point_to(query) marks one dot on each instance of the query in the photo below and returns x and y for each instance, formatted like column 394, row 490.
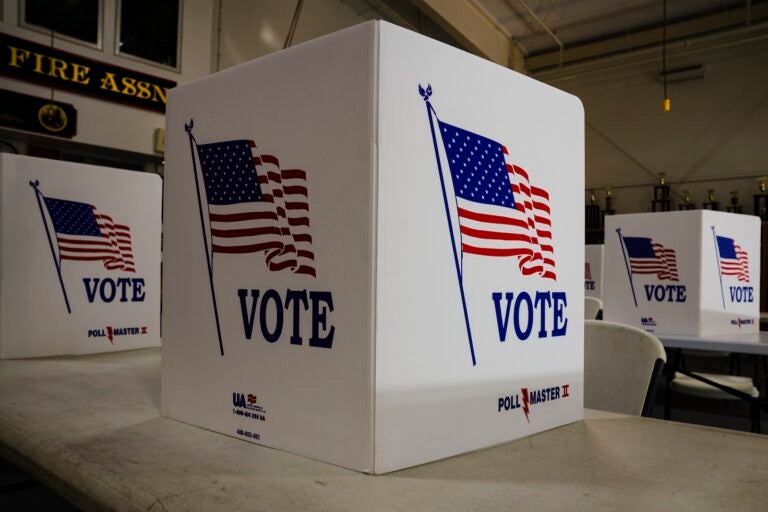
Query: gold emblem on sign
column 52, row 117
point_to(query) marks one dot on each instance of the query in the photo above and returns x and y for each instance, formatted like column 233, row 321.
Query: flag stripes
column 734, row 260
column 85, row 234
column 649, row 257
column 255, row 206
column 500, row 213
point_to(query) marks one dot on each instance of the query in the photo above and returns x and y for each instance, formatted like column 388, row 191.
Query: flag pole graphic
column 719, row 268
column 192, row 144
column 35, row 184
column 626, row 262
column 425, row 94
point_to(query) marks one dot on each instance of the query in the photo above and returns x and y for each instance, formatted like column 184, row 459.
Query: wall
column 107, row 124
column 252, row 28
column 716, row 132
column 248, row 29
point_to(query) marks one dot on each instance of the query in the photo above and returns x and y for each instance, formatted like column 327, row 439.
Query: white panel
column 97, row 306
column 311, row 108
column 432, row 401
column 593, row 270
column 689, row 300
column 730, row 301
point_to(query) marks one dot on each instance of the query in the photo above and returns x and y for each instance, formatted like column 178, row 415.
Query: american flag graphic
column 255, row 206
column 85, row 234
column 734, row 261
column 500, row 213
column 587, row 272
column 649, row 257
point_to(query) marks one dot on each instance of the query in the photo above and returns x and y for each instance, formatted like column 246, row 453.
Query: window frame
column 98, row 45
column 129, row 56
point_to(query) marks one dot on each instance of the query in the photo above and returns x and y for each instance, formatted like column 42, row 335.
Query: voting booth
column 593, row 270
column 690, row 272
column 370, row 252
column 79, row 258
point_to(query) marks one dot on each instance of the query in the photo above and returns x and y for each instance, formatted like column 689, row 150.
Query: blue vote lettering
column 742, row 293
column 524, row 318
column 271, row 315
column 665, row 293
column 128, row 289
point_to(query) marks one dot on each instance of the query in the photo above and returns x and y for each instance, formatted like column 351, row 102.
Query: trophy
column 761, row 201
column 687, row 204
column 661, row 200
column 711, row 203
column 609, row 209
column 734, row 207
column 592, row 219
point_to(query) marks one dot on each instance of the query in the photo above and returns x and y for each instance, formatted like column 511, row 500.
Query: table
column 751, row 343
column 746, row 343
column 90, row 428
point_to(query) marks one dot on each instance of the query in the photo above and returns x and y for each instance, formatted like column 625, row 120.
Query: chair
column 622, row 366
column 592, row 307
column 742, row 388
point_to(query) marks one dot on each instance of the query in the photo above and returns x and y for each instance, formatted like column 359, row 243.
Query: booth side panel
column 80, row 258
column 473, row 349
column 277, row 249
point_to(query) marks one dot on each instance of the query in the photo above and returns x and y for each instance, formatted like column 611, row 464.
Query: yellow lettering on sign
column 58, row 67
column 143, row 90
column 18, row 56
column 129, row 86
column 39, row 63
column 108, row 82
column 80, row 74
column 158, row 92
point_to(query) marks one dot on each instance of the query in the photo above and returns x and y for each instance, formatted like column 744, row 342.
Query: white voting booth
column 370, row 252
column 79, row 258
column 593, row 270
column 689, row 272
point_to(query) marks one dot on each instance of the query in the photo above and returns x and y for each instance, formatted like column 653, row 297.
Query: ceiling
column 574, row 22
column 550, row 34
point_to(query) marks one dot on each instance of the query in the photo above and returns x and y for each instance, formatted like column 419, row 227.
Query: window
column 79, row 20
column 149, row 30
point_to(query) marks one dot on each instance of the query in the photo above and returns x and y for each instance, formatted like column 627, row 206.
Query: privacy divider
column 373, row 250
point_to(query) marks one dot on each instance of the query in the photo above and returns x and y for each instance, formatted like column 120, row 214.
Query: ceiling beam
column 647, row 38
column 469, row 24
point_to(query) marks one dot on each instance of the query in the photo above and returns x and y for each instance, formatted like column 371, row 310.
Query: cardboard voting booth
column 593, row 270
column 79, row 258
column 689, row 272
column 371, row 252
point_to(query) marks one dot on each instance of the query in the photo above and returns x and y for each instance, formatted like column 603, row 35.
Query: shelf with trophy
column 661, row 195
column 734, row 206
column 595, row 216
column 711, row 203
column 687, row 203
column 761, row 201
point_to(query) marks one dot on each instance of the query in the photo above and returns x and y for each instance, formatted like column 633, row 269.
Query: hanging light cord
column 664, row 50
column 53, row 28
column 294, row 22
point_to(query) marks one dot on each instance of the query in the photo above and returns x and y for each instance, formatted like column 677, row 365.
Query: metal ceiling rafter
column 471, row 25
column 545, row 27
column 726, row 21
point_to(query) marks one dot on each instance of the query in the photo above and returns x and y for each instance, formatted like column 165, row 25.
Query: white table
column 750, row 343
column 90, row 428
column 753, row 343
